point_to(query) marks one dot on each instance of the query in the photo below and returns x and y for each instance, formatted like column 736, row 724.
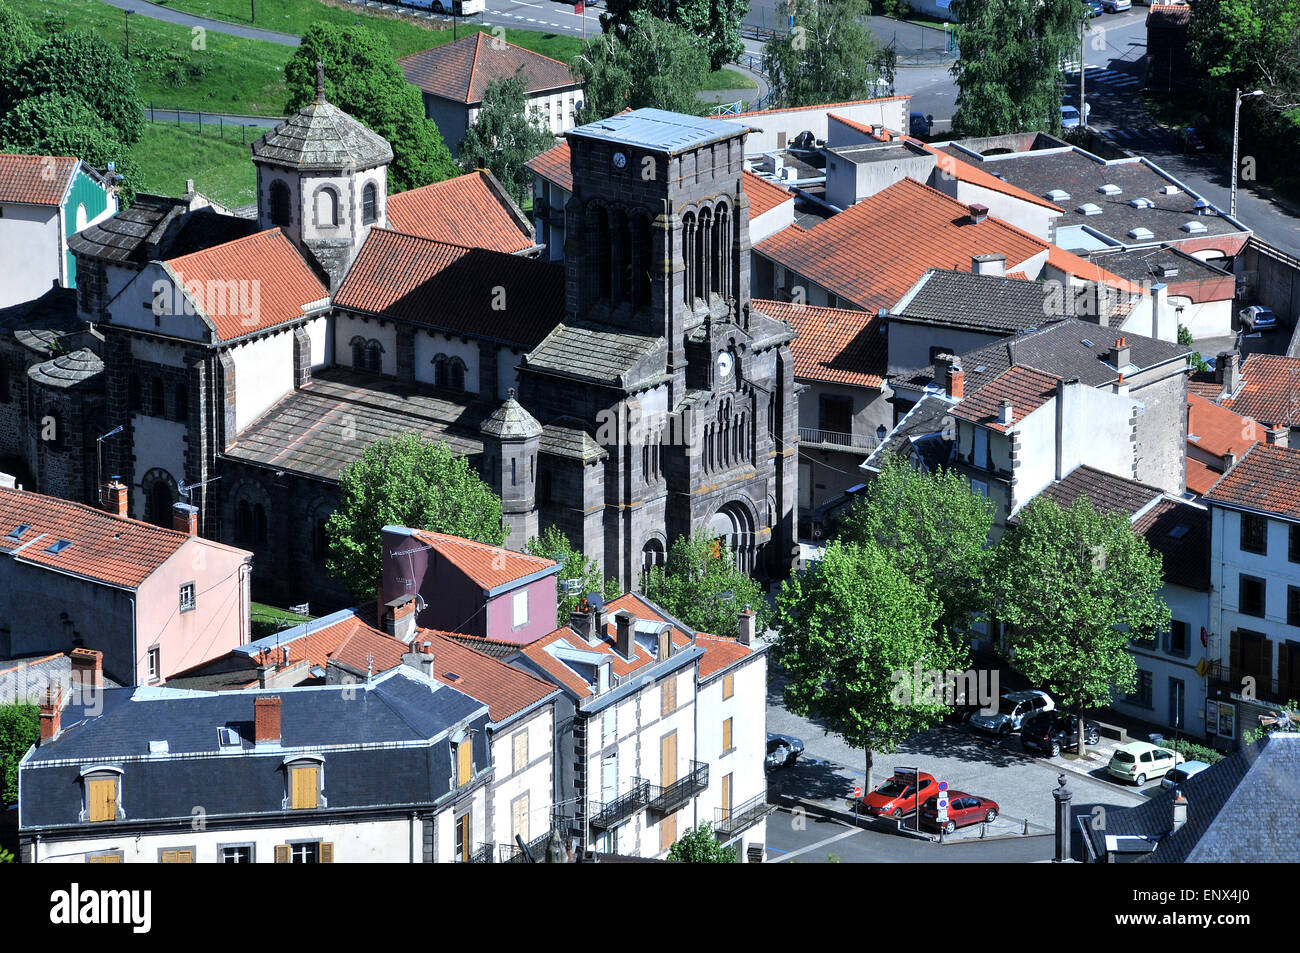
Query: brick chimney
column 51, row 714
column 266, row 719
column 113, row 497
column 626, row 643
column 1180, row 811
column 950, row 375
column 185, row 519
column 399, row 618
column 1120, row 353
column 745, row 627
column 87, row 667
column 978, row 213
column 988, row 264
column 420, row 657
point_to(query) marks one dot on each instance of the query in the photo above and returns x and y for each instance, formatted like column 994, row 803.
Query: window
column 519, row 818
column 728, row 685
column 440, row 370
column 137, row 394
column 462, row 839
column 375, row 357
column 4, row 382
column 182, row 402
column 309, row 852
column 980, row 487
column 304, row 787
column 105, row 857
column 236, row 854
column 153, row 663
column 520, row 607
column 465, row 761
column 157, row 405
column 1176, row 638
column 259, row 525
column 726, row 735
column 176, row 855
column 244, row 523
column 1254, row 534
column 187, row 597
column 1142, row 694
column 519, row 746
column 1293, row 544
column 1250, row 596
column 358, row 353
column 1292, row 606
column 101, row 798
column 280, row 204
column 369, row 204
column 668, row 695
column 726, row 797
column 609, row 726
column 836, row 414
column 320, row 539
column 327, row 208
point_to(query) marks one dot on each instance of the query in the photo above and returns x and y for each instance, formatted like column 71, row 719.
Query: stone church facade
column 628, row 395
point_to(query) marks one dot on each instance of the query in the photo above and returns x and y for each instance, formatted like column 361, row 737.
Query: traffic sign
column 943, row 785
column 857, row 792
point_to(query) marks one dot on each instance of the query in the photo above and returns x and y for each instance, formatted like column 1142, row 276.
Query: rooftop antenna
column 99, row 441
column 184, row 488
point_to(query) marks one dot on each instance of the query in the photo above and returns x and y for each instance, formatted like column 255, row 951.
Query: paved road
column 156, row 11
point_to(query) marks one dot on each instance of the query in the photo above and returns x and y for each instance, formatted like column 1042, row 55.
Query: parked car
column 1093, row 7
column 782, row 750
column 1191, row 139
column 1070, row 116
column 1257, row 318
column 897, row 797
column 1053, row 732
column 960, row 713
column 1013, row 709
column 963, row 810
column 1181, row 773
column 919, row 124
column 1139, row 761
column 1116, row 6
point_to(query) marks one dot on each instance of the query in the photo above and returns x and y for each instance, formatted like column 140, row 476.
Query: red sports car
column 963, row 810
column 898, row 796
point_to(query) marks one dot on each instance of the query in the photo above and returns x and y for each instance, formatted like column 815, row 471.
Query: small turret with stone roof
column 510, row 442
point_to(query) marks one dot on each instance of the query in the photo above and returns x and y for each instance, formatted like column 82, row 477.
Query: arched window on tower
column 369, row 204
column 137, row 394
column 702, row 243
column 259, row 525
column 327, row 207
column 688, row 257
column 280, row 204
column 644, row 244
column 182, row 402
column 157, row 404
column 244, row 523
column 158, row 504
column 718, row 271
column 603, row 239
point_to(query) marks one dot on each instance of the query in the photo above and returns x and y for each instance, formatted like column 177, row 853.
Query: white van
column 460, row 8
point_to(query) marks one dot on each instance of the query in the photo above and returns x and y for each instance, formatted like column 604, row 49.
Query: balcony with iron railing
column 537, row 848
column 728, row 822
column 485, row 854
column 1231, row 679
column 836, row 440
column 606, row 815
column 669, row 797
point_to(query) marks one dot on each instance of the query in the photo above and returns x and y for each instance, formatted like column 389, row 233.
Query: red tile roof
column 1026, row 388
column 719, row 653
column 455, row 288
column 763, row 195
column 506, row 690
column 35, row 180
column 1270, row 390
column 470, row 210
column 267, row 271
column 834, row 344
column 872, row 254
column 367, row 649
column 828, row 106
column 488, row 566
column 973, row 175
column 461, row 71
column 1201, row 476
column 108, row 548
column 553, row 165
column 1267, row 479
column 1218, row 429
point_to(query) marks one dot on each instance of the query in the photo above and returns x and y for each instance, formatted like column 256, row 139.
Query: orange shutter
column 728, row 686
column 464, row 762
column 104, row 859
column 327, row 853
column 726, row 735
column 668, row 832
column 101, row 795
column 177, row 857
column 305, row 788
column 726, row 797
column 282, row 853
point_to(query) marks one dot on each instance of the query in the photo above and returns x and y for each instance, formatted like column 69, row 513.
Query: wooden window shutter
column 104, row 859
column 305, row 788
column 282, row 853
column 101, row 795
column 728, row 685
column 178, row 857
column 726, row 735
column 327, row 853
column 464, row 762
column 668, row 695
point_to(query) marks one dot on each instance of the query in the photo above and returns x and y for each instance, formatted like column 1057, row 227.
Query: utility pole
column 1083, row 102
column 1236, row 125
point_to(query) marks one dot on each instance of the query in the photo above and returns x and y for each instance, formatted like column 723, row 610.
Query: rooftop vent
column 1193, row 228
column 1058, row 195
column 1141, row 234
column 17, row 531
column 158, row 747
column 1171, row 190
column 1142, row 203
column 58, row 547
column 1088, row 208
column 1202, row 207
column 1110, row 189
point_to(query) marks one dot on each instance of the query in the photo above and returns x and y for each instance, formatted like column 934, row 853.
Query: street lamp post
column 127, row 14
column 1236, row 125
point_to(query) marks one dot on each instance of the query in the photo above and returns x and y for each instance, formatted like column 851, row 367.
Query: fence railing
column 228, row 126
column 834, row 438
column 728, row 822
column 622, row 807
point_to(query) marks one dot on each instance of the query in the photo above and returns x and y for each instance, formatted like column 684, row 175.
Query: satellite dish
column 595, row 601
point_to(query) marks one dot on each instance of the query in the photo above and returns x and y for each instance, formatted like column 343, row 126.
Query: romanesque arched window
column 603, row 239
column 259, row 525
column 159, row 499
column 688, row 257
column 137, row 393
column 358, row 344
column 456, row 374
column 280, row 204
column 374, row 356
column 718, row 271
column 369, row 204
column 244, row 523
column 703, row 241
column 327, row 207
column 182, row 402
column 440, row 370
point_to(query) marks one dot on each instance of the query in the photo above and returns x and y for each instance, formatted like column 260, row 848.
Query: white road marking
column 821, row 843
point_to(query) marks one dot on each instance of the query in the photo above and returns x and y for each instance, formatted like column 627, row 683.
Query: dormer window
column 101, row 794
column 304, row 783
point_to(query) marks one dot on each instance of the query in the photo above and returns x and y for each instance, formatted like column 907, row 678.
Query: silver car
column 1181, row 773
column 1013, row 709
column 1257, row 318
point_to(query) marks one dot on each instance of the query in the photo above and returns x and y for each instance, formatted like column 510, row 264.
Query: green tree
column 405, row 481
column 17, row 38
column 1074, row 586
column 700, row 585
column 553, row 544
column 63, row 125
column 856, row 640
column 506, row 135
column 935, row 528
column 699, row 845
column 1009, row 76
column 830, row 56
column 363, row 79
column 1247, row 44
column 80, row 64
column 20, row 726
column 647, row 63
column 716, row 22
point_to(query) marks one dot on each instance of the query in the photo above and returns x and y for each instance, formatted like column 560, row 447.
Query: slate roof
column 657, row 130
column 917, row 430
column 1180, row 533
column 105, row 547
column 834, row 344
column 959, row 299
column 266, row 263
column 1027, row 389
column 593, row 352
column 39, row 324
column 1269, row 390
column 1106, row 491
column 471, row 210
column 489, row 567
column 323, row 426
column 570, row 442
column 511, row 422
column 472, row 291
column 1239, row 810
column 35, row 180
column 322, row 137
column 872, row 254
column 1199, row 280
column 157, row 227
column 461, row 71
column 1265, row 479
column 67, row 370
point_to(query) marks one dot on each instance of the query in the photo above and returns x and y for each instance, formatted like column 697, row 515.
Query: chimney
column 420, row 657
column 1006, row 417
column 954, row 378
column 112, row 497
column 1278, row 436
column 87, row 667
column 1121, row 386
column 1180, row 811
column 626, row 644
column 189, row 186
column 185, row 519
column 51, row 713
column 1228, row 371
column 1160, row 312
column 399, row 617
column 1229, row 459
column 1119, row 354
column 745, row 626
column 266, row 720
column 988, row 264
column 978, row 213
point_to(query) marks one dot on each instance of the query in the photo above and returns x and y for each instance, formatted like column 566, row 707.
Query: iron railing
column 835, row 438
column 537, row 848
column 486, row 854
column 612, row 812
column 666, row 799
column 728, row 822
column 1230, row 678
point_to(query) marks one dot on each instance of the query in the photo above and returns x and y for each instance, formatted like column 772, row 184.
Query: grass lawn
column 268, row 620
column 220, row 167
column 728, row 79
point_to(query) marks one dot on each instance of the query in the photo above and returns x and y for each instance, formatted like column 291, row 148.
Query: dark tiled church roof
column 322, row 136
column 593, row 352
